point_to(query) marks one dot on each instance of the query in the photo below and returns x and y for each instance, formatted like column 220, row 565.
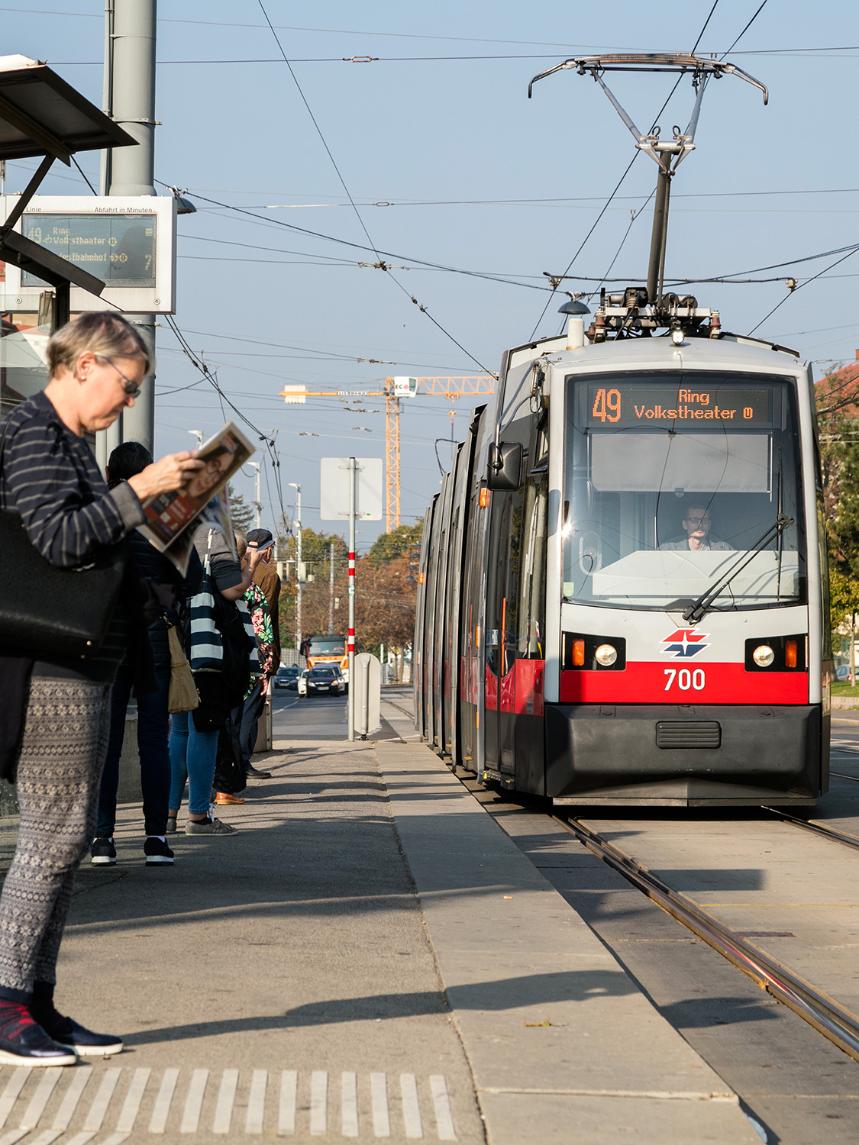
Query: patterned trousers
column 62, row 753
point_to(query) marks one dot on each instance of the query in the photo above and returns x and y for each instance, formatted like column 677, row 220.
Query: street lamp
column 296, row 530
column 258, row 502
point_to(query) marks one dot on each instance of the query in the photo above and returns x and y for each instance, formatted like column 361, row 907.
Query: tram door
column 505, row 539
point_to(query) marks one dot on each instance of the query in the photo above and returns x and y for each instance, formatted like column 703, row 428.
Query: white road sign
column 334, row 503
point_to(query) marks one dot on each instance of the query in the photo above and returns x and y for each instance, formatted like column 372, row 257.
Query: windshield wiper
column 699, row 607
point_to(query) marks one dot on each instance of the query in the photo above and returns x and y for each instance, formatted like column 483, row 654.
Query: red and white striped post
column 350, row 640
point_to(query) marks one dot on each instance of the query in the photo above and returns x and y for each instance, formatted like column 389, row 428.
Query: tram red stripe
column 651, row 683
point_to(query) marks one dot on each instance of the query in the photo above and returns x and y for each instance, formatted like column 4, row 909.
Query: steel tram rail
column 818, row 828
column 834, row 1022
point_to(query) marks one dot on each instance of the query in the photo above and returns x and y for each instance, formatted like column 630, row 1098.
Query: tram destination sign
column 119, row 249
column 624, row 404
column 129, row 242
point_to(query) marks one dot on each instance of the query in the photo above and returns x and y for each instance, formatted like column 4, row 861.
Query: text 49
column 686, row 679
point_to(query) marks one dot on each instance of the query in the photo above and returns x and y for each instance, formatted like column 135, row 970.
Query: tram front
column 693, row 636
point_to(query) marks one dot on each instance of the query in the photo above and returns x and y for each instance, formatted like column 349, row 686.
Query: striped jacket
column 50, row 478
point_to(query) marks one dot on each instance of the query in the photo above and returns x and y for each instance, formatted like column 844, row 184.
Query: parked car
column 286, row 677
column 324, row 680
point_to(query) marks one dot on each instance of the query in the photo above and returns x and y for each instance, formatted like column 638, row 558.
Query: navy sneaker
column 102, row 852
column 71, row 1035
column 157, row 852
column 24, row 1042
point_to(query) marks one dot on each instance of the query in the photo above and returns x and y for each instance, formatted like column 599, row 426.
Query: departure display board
column 694, row 404
column 117, row 248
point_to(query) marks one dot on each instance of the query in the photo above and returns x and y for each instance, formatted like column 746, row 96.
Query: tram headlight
column 593, row 653
column 606, row 655
column 763, row 655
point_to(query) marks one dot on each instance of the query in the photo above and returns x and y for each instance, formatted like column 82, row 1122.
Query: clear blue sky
column 432, row 135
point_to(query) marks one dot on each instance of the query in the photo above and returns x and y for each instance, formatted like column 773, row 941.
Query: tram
column 622, row 588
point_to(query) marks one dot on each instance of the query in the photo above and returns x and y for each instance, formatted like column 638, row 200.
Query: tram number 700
column 686, row 679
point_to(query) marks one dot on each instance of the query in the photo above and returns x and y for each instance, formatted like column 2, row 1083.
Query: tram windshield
column 671, row 479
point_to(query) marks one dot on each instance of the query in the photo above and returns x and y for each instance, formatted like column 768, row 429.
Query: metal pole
column 258, row 502
column 657, row 236
column 131, row 169
column 331, row 589
column 350, row 647
column 107, row 94
column 297, row 529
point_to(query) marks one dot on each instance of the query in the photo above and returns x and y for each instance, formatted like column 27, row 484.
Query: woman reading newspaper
column 50, row 479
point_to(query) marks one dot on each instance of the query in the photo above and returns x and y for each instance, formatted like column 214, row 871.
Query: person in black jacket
column 50, row 479
column 161, row 585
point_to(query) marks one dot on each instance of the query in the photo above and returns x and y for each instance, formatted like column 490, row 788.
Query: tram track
column 830, row 833
column 837, row 1024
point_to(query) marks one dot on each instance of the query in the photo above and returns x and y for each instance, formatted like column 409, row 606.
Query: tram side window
column 532, row 586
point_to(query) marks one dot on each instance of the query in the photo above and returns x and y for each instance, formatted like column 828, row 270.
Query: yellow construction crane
column 451, row 387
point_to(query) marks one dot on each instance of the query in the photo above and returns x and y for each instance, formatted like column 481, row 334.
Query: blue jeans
column 192, row 756
column 152, row 726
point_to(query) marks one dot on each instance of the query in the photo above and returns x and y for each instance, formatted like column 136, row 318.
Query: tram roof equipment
column 637, row 307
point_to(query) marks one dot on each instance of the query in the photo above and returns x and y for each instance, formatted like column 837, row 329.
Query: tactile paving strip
column 106, row 1105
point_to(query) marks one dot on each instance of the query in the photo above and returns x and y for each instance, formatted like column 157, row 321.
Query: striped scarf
column 207, row 645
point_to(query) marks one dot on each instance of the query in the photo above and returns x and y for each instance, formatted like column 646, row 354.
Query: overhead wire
column 745, row 28
column 211, row 378
column 800, row 286
column 381, row 264
column 380, row 253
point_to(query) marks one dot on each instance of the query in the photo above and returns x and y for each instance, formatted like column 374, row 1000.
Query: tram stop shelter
column 41, row 117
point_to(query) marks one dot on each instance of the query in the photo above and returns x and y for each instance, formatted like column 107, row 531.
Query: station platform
column 370, row 957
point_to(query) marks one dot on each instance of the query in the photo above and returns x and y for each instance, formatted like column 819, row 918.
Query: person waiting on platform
column 193, row 740
column 696, row 526
column 50, row 479
column 163, row 585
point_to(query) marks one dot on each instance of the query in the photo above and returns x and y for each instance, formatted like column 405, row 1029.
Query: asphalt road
column 308, row 718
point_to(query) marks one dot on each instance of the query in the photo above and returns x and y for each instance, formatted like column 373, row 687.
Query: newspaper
column 169, row 514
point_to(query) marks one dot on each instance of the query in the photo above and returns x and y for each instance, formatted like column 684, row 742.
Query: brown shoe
column 223, row 798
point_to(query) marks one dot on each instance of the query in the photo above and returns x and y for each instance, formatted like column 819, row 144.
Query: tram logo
column 684, row 643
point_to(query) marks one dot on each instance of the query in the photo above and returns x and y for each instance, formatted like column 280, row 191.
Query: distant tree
column 386, row 596
column 394, row 544
column 838, row 414
column 844, row 608
column 241, row 513
column 315, row 595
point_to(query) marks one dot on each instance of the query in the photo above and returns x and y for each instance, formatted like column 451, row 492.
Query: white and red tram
column 623, row 585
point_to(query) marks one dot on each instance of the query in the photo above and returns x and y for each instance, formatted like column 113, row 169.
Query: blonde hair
column 103, row 333
column 241, row 543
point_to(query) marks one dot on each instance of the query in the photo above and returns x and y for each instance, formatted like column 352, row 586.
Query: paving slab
column 562, row 1044
column 370, row 957
column 274, row 983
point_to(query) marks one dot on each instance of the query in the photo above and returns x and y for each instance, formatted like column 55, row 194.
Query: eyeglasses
column 131, row 389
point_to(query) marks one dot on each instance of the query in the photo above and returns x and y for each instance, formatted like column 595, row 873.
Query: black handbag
column 48, row 612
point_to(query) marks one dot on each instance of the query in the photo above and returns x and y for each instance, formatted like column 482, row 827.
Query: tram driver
column 696, row 526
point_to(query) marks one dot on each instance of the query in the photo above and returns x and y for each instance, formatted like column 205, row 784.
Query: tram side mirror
column 505, row 466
